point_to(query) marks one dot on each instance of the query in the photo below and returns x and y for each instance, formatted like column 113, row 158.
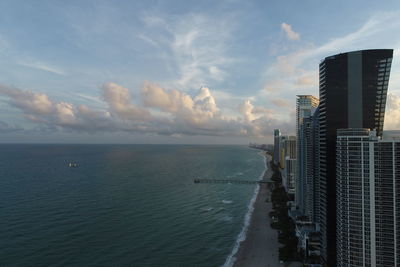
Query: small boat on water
column 73, row 165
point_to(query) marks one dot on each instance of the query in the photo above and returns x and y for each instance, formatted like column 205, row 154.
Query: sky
column 176, row 72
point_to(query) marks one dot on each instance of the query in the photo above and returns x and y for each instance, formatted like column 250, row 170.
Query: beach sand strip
column 261, row 246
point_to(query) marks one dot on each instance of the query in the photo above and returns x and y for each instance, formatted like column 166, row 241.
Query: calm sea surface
column 125, row 205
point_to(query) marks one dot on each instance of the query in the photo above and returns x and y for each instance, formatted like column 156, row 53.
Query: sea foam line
column 230, row 260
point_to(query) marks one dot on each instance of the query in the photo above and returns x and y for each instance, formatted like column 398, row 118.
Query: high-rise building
column 277, row 134
column 305, row 107
column 353, row 88
column 368, row 199
column 289, row 170
column 288, row 175
column 315, row 166
column 289, row 146
column 281, row 162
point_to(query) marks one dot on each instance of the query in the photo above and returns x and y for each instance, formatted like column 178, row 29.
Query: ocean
column 123, row 205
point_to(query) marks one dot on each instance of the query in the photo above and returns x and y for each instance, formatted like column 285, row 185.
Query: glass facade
column 353, row 89
column 367, row 199
column 304, row 196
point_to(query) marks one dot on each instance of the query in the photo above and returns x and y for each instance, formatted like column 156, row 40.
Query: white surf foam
column 230, row 260
column 207, row 209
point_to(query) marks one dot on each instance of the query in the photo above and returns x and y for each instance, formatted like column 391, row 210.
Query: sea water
column 123, row 205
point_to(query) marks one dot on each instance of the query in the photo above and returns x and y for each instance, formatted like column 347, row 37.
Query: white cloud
column 28, row 101
column 195, row 43
column 290, row 34
column 42, row 66
column 119, row 101
column 198, row 111
column 296, row 71
column 246, row 108
column 164, row 112
column 38, row 108
column 166, row 100
column 147, row 39
column 216, row 73
column 65, row 113
column 90, row 98
column 281, row 103
column 392, row 114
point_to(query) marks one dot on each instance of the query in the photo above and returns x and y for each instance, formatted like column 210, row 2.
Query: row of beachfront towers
column 341, row 168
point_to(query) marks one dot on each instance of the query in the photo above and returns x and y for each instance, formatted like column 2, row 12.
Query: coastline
column 260, row 246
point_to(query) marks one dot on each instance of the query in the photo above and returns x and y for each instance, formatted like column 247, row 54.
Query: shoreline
column 260, row 246
column 231, row 259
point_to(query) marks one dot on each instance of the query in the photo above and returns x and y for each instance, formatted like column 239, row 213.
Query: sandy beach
column 260, row 248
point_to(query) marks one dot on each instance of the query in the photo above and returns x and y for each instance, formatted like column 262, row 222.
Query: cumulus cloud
column 290, row 34
column 166, row 100
column 185, row 111
column 119, row 101
column 38, row 108
column 246, row 109
column 392, row 114
column 159, row 111
column 28, row 101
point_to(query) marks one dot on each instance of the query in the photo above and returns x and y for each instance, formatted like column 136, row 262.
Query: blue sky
column 175, row 71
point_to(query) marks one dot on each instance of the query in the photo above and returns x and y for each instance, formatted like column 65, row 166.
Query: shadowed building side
column 305, row 108
column 353, row 88
column 368, row 199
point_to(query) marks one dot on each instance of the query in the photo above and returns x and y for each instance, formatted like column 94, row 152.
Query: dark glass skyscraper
column 352, row 91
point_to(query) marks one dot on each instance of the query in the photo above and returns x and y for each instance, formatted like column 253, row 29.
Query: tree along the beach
column 281, row 220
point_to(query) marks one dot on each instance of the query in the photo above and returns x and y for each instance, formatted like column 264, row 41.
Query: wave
column 207, row 209
column 227, row 201
column 236, row 174
column 230, row 260
column 227, row 218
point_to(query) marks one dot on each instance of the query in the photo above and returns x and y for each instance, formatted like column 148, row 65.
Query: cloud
column 35, row 103
column 273, row 86
column 246, row 108
column 289, row 74
column 36, row 106
column 39, row 108
column 170, row 101
column 196, row 44
column 147, row 39
column 392, row 114
column 290, row 34
column 281, row 103
column 119, row 101
column 159, row 111
column 307, row 80
column 216, row 73
column 294, row 70
column 7, row 128
column 42, row 66
column 199, row 112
